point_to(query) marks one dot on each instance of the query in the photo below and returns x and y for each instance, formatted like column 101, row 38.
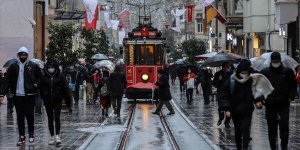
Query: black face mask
column 23, row 60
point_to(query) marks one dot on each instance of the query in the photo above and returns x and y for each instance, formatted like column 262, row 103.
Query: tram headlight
column 145, row 77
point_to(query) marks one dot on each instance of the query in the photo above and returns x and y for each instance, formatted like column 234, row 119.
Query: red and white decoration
column 91, row 11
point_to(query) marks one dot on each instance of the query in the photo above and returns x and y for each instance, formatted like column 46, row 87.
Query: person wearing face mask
column 189, row 80
column 243, row 90
column 278, row 103
column 23, row 78
column 219, row 80
column 53, row 87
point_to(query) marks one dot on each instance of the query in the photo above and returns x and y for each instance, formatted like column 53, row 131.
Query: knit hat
column 275, row 57
column 23, row 50
column 244, row 65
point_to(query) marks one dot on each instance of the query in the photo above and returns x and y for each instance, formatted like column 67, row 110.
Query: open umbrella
column 179, row 62
column 39, row 62
column 9, row 62
column 265, row 59
column 218, row 60
column 105, row 64
column 99, row 57
column 207, row 55
column 183, row 69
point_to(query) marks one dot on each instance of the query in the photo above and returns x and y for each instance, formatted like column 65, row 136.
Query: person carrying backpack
column 104, row 99
column 243, row 90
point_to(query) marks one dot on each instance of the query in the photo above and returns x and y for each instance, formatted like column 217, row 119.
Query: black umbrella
column 8, row 63
column 218, row 60
column 183, row 69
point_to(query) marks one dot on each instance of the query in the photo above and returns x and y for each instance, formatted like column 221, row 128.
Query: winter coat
column 77, row 80
column 283, row 80
column 32, row 75
column 222, row 97
column 163, row 88
column 204, row 77
column 240, row 99
column 54, row 88
column 3, row 85
column 116, row 84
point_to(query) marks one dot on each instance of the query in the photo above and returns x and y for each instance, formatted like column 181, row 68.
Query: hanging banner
column 190, row 8
column 107, row 19
column 91, row 12
column 114, row 24
column 121, row 36
column 124, row 18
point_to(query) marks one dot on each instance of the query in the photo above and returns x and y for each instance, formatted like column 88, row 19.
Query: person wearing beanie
column 23, row 78
column 164, row 93
column 54, row 89
column 278, row 103
column 219, row 80
column 243, row 90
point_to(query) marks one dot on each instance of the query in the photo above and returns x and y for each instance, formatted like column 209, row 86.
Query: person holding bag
column 54, row 90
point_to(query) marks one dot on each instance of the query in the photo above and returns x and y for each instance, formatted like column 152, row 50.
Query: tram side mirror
column 121, row 50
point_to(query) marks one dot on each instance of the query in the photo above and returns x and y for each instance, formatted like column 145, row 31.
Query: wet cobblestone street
column 72, row 125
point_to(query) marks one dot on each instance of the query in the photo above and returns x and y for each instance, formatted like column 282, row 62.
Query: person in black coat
column 219, row 80
column 204, row 77
column 3, row 88
column 278, row 103
column 116, row 84
column 23, row 78
column 54, row 89
column 164, row 93
column 238, row 90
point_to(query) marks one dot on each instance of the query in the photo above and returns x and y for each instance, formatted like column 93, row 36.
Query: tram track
column 126, row 134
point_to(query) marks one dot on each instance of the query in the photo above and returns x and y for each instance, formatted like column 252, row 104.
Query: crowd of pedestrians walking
column 29, row 88
column 239, row 90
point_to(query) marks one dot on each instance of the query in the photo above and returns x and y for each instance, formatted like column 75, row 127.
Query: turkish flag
column 91, row 13
column 91, row 23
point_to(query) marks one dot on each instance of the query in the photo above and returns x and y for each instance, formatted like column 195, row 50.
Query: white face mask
column 51, row 70
column 243, row 75
column 276, row 65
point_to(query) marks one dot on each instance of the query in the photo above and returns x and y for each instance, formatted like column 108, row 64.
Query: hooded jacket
column 54, row 86
column 32, row 75
column 284, row 83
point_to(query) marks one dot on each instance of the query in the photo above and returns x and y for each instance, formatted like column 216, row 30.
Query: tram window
column 158, row 55
column 144, row 55
column 149, row 55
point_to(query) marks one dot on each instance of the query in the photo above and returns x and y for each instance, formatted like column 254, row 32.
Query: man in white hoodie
column 23, row 78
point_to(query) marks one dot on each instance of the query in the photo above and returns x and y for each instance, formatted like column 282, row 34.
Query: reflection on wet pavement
column 83, row 117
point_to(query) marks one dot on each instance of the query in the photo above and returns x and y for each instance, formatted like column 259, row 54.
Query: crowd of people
column 28, row 87
column 239, row 91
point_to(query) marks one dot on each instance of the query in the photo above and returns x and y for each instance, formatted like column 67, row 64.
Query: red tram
column 144, row 54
